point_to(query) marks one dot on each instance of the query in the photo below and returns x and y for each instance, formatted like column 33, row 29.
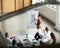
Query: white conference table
column 28, row 42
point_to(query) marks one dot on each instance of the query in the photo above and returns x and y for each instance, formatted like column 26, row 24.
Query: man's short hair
column 46, row 28
column 6, row 34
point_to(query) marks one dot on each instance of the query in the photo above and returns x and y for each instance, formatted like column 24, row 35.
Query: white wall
column 16, row 25
column 57, row 24
column 58, row 0
column 48, row 13
column 2, row 27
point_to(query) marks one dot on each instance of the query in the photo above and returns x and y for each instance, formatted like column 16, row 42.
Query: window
column 37, row 1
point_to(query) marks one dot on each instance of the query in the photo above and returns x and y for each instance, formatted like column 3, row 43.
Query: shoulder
column 49, row 32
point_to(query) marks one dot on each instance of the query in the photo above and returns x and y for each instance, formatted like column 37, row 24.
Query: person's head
column 6, row 35
column 13, row 42
column 46, row 29
column 39, row 16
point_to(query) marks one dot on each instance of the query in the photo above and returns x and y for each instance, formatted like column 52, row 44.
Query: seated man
column 8, row 40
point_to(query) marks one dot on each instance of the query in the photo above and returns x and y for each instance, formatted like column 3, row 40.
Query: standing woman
column 38, row 23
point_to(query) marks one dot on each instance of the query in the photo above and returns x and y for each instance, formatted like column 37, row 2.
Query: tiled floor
column 50, row 26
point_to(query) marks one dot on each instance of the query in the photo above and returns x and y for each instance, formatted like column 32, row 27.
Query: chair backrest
column 53, row 37
column 37, row 36
column 2, row 41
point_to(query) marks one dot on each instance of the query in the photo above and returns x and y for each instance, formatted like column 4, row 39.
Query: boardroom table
column 28, row 42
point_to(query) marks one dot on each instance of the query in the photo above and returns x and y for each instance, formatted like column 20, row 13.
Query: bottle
column 26, row 35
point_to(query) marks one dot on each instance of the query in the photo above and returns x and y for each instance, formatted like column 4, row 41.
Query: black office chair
column 37, row 36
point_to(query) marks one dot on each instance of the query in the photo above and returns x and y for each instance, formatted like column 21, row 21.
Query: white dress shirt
column 47, row 37
column 8, row 41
